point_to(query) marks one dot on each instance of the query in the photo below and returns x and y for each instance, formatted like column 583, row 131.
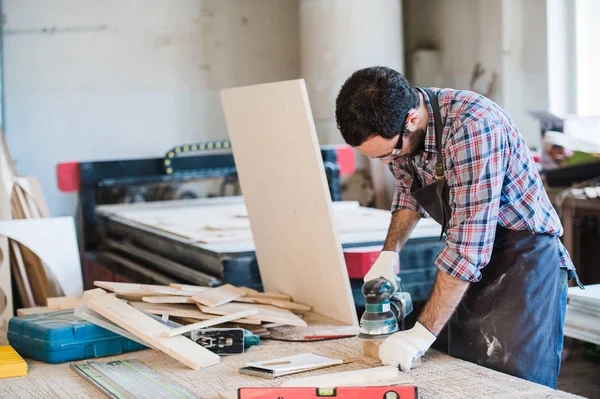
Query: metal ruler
column 125, row 379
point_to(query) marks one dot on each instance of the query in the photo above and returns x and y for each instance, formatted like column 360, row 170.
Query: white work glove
column 384, row 266
column 403, row 348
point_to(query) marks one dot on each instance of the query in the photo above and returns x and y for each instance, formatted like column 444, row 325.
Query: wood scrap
column 373, row 376
column 183, row 311
column 63, row 303
column 218, row 296
column 143, row 289
column 265, row 313
column 34, row 310
column 371, row 348
column 297, row 307
column 150, row 330
column 187, row 287
column 168, row 299
column 209, row 323
column 269, row 295
column 20, row 275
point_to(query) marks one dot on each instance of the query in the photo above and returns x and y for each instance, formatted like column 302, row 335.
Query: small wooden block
column 218, row 296
column 371, row 349
column 270, row 295
column 62, row 302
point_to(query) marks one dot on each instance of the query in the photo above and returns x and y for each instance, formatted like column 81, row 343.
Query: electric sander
column 385, row 309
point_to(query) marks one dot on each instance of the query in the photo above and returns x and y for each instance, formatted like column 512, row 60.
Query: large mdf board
column 283, row 182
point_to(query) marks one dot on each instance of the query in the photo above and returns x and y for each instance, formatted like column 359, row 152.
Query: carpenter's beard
column 414, row 142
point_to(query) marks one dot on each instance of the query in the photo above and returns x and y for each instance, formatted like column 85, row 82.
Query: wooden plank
column 33, row 310
column 168, row 299
column 187, row 287
column 298, row 250
column 218, row 296
column 149, row 330
column 63, row 303
column 209, row 323
column 183, row 311
column 143, row 289
column 298, row 307
column 20, row 275
column 348, row 378
column 269, row 295
column 265, row 313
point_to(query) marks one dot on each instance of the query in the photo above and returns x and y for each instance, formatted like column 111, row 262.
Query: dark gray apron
column 510, row 321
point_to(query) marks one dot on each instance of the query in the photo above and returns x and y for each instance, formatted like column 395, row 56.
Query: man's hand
column 384, row 266
column 403, row 348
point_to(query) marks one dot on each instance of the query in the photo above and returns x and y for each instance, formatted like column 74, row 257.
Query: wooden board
column 218, row 296
column 183, row 349
column 209, row 323
column 269, row 295
column 294, row 307
column 180, row 310
column 298, row 250
column 373, row 376
column 187, row 287
column 168, row 299
column 265, row 313
column 141, row 289
column 34, row 310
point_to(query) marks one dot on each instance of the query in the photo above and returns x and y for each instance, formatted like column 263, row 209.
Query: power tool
column 385, row 309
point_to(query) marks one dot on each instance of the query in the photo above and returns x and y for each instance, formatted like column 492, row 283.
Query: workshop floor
column 578, row 374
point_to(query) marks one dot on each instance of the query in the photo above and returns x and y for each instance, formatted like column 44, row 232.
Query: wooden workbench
column 437, row 376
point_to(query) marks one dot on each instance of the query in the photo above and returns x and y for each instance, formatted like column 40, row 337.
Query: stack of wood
column 23, row 196
column 188, row 304
column 582, row 320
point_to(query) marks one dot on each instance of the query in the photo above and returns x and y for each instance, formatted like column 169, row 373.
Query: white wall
column 107, row 79
column 506, row 36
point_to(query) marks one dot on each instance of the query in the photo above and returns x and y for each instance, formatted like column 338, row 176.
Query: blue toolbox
column 61, row 336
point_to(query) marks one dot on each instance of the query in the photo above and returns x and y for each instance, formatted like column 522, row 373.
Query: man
column 457, row 157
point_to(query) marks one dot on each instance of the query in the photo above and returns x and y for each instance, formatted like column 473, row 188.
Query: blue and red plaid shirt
column 492, row 177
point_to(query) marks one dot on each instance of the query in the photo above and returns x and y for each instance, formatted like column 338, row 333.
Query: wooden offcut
column 294, row 307
column 149, row 330
column 218, row 296
column 182, row 311
column 209, row 323
column 371, row 348
column 297, row 248
column 265, row 313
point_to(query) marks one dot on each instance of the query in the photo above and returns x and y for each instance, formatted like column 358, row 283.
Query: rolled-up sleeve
column 477, row 154
column 403, row 199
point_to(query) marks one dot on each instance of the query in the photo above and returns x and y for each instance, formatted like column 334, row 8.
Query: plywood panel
column 283, row 181
column 218, row 296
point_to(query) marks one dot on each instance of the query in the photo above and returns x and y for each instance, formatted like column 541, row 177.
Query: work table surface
column 437, row 376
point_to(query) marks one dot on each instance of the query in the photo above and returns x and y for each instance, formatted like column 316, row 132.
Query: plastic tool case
column 61, row 336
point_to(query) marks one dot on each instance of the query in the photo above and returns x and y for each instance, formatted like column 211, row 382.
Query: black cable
column 305, row 340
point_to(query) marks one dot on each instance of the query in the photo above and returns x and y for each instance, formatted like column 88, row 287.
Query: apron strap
column 439, row 166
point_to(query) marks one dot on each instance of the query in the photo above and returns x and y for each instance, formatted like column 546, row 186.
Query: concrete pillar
column 336, row 38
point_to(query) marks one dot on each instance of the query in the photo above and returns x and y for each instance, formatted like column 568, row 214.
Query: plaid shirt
column 492, row 177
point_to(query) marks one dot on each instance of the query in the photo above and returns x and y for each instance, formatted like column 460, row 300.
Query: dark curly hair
column 374, row 101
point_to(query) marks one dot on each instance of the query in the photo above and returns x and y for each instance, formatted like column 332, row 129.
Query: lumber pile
column 22, row 195
column 582, row 320
column 129, row 310
column 188, row 304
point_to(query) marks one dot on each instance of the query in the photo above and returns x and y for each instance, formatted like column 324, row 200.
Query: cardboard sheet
column 55, row 242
